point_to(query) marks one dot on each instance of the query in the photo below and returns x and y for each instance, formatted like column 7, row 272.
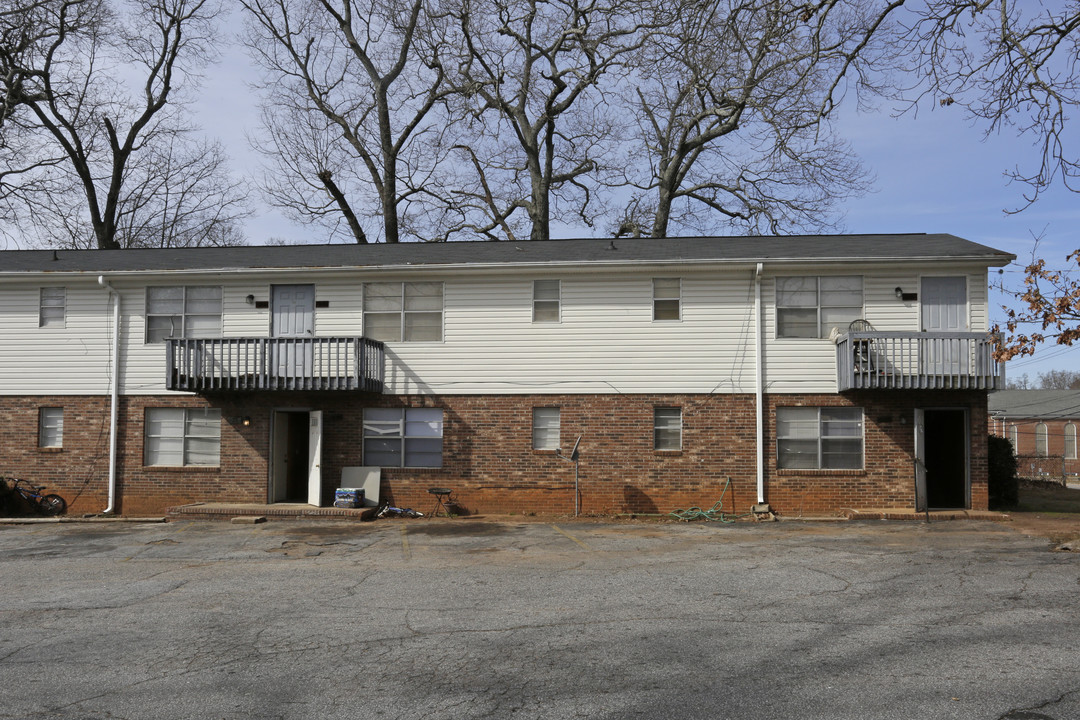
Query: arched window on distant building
column 1040, row 440
column 1014, row 437
column 1070, row 441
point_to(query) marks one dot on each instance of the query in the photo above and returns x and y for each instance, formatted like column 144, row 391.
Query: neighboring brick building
column 1042, row 425
column 818, row 373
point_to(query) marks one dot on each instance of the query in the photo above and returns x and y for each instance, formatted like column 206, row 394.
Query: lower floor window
column 182, row 437
column 828, row 438
column 51, row 427
column 403, row 437
column 667, row 428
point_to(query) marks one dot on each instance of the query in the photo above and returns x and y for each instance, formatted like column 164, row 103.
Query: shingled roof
column 1044, row 404
column 832, row 248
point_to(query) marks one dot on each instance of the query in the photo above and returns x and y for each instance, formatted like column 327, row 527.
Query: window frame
column 820, row 438
column 667, row 430
column 664, row 301
column 546, row 433
column 210, row 421
column 401, row 310
column 1069, row 431
column 47, row 427
column 819, row 308
column 402, row 435
column 181, row 319
column 1042, row 440
column 52, row 298
column 540, row 303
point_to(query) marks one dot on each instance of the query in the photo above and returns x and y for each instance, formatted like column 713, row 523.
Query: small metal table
column 442, row 501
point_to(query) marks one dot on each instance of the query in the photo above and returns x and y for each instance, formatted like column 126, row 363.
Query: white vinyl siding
column 606, row 340
column 52, row 307
column 667, row 428
column 179, row 437
column 545, row 428
column 403, row 437
column 182, row 312
column 826, row 438
column 51, row 427
column 409, row 311
column 546, row 300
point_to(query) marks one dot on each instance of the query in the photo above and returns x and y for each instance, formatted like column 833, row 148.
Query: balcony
column 239, row 364
column 877, row 360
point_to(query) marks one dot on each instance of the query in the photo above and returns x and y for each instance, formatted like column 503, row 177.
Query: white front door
column 943, row 308
column 315, row 458
column 293, row 317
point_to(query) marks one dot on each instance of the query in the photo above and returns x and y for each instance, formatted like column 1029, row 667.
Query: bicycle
column 44, row 504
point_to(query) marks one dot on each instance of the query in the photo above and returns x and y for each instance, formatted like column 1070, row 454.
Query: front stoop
column 227, row 511
column 934, row 515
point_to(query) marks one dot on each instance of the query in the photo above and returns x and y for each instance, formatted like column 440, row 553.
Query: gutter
column 758, row 382
column 114, row 392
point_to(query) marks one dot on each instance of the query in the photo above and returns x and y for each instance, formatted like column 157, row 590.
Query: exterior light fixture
column 899, row 293
column 246, row 421
column 250, row 299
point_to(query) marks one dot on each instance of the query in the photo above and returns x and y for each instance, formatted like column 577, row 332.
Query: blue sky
column 935, row 172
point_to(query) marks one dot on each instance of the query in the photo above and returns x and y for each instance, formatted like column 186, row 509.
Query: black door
column 946, row 458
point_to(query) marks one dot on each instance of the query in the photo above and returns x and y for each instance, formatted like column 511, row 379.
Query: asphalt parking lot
column 469, row 619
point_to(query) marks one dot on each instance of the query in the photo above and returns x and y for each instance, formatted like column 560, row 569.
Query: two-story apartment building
column 818, row 373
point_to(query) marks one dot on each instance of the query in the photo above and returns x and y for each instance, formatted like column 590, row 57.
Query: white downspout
column 758, row 382
column 114, row 392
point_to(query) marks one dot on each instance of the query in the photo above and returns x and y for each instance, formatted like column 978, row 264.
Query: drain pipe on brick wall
column 114, row 392
column 758, row 392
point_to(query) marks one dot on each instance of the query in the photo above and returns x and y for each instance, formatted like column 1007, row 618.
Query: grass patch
column 1048, row 499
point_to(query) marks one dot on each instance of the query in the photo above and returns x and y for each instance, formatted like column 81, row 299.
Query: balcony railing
column 917, row 361
column 322, row 363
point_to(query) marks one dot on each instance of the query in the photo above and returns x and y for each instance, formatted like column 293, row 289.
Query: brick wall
column 487, row 455
column 1055, row 441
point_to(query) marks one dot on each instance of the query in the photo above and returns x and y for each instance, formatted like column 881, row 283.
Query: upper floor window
column 545, row 429
column 810, row 438
column 667, row 428
column 667, row 298
column 411, row 311
column 51, row 427
column 1040, row 440
column 183, row 312
column 546, row 300
column 1070, row 441
column 809, row 307
column 403, row 437
column 179, row 437
column 53, row 307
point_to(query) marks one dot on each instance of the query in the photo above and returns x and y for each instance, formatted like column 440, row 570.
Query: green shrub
column 1004, row 486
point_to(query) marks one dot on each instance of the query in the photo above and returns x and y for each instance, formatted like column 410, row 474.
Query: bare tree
column 92, row 88
column 541, row 123
column 732, row 106
column 1009, row 64
column 354, row 109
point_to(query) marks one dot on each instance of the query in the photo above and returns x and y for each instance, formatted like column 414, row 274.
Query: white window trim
column 183, row 314
column 821, row 331
column 50, row 421
column 678, row 299
column 52, row 298
column 553, row 430
column 657, row 429
column 403, row 313
column 537, row 301
column 212, row 414
column 1070, row 441
column 820, row 437
column 1042, row 440
column 402, row 436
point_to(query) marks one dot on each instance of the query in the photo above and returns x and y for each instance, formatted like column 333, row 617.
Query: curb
column 89, row 519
